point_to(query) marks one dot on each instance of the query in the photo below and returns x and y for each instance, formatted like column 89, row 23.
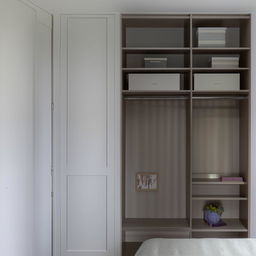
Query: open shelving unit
column 183, row 133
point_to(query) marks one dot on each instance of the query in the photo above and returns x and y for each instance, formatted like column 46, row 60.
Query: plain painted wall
column 25, row 130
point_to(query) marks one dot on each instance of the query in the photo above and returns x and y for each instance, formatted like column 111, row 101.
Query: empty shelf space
column 230, row 198
column 216, row 182
column 233, row 225
column 158, row 224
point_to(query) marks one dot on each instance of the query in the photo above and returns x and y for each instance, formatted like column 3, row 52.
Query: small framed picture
column 146, row 181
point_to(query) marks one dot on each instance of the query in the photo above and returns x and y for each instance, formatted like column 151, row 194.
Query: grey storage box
column 153, row 62
column 154, row 82
column 217, row 82
column 211, row 36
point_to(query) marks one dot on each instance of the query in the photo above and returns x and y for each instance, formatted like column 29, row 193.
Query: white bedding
column 198, row 247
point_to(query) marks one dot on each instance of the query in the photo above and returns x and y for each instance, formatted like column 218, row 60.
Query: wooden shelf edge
column 178, row 70
column 228, row 198
column 156, row 224
column 218, row 183
column 233, row 225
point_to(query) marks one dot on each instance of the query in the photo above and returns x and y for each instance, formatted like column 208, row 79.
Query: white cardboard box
column 217, row 82
column 225, row 62
column 211, row 36
column 154, row 82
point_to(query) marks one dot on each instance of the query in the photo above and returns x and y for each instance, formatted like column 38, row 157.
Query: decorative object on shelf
column 211, row 36
column 225, row 62
column 155, row 62
column 212, row 214
column 154, row 82
column 230, row 178
column 147, row 181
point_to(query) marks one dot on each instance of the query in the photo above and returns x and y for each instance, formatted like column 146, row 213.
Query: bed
column 198, row 247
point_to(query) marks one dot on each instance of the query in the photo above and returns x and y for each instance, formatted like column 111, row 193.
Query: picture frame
column 146, row 181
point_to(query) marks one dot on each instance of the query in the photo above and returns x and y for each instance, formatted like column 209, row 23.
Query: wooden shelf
column 216, row 182
column 233, row 225
column 179, row 70
column 158, row 224
column 209, row 69
column 225, row 197
column 156, row 49
column 220, row 50
column 234, row 94
column 156, row 93
column 221, row 16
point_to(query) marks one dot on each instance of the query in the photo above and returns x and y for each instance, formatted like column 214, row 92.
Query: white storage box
column 211, row 37
column 225, row 62
column 217, row 82
column 154, row 82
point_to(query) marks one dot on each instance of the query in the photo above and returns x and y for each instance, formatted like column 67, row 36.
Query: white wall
column 147, row 5
column 22, row 118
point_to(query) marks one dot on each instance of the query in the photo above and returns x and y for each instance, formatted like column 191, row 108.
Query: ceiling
column 147, row 5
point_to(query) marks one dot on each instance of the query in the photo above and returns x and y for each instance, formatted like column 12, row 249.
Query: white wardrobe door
column 87, row 135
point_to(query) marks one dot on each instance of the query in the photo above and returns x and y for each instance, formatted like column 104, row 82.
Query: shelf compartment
column 174, row 60
column 184, row 76
column 202, row 60
column 220, row 198
column 139, row 230
column 244, row 75
column 159, row 224
column 233, row 225
column 156, row 31
column 238, row 30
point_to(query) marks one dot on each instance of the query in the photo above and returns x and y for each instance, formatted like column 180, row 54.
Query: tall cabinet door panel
column 87, row 135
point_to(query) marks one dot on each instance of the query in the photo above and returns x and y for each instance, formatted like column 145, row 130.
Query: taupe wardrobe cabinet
column 177, row 134
column 183, row 133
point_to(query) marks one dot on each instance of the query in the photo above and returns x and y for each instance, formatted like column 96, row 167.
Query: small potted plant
column 212, row 214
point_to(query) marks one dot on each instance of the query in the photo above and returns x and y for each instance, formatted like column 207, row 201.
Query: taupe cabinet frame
column 202, row 112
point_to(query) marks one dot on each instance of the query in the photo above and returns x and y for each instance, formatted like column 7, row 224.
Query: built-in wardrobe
column 106, row 134
column 187, row 137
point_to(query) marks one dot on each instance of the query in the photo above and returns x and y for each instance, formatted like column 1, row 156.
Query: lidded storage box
column 217, row 82
column 154, row 82
column 155, row 62
column 211, row 36
column 225, row 62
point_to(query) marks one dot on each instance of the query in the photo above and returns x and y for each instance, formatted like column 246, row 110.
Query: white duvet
column 198, row 247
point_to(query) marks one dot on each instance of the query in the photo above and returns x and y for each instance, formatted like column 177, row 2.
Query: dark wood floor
column 129, row 249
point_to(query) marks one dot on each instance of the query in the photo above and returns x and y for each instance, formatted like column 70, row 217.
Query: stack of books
column 225, row 62
column 211, row 36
